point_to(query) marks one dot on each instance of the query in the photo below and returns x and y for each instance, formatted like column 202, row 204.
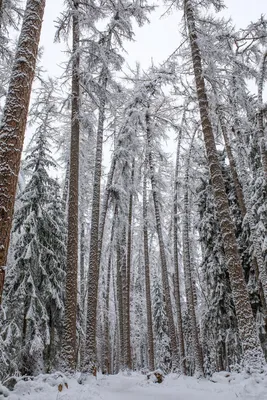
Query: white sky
column 156, row 40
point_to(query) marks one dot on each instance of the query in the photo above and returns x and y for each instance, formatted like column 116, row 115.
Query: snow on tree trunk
column 164, row 268
column 69, row 335
column 93, row 273
column 150, row 340
column 261, row 133
column 252, row 352
column 107, row 347
column 189, row 284
column 176, row 261
column 120, row 316
column 14, row 120
column 127, row 350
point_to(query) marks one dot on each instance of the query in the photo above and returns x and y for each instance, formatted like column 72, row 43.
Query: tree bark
column 262, row 139
column 69, row 336
column 176, row 261
column 127, row 350
column 164, row 268
column 107, row 353
column 14, row 121
column 189, row 282
column 93, row 273
column 120, row 299
column 252, row 352
column 150, row 340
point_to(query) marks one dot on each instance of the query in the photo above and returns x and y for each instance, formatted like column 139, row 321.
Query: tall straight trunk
column 188, row 272
column 93, row 273
column 120, row 302
column 104, row 208
column 262, row 138
column 164, row 267
column 123, row 271
column 14, row 119
column 69, row 335
column 252, row 352
column 82, row 288
column 127, row 351
column 176, row 261
column 150, row 341
column 107, row 355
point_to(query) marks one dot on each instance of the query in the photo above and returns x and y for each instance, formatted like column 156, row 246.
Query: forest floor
column 136, row 387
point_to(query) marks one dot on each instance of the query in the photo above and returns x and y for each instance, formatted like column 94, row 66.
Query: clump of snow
column 3, row 392
column 55, row 387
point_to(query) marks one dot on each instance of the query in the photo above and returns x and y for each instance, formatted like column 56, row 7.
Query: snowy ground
column 136, row 387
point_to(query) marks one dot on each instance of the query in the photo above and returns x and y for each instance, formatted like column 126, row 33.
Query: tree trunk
column 164, row 268
column 252, row 352
column 69, row 335
column 189, row 283
column 127, row 350
column 176, row 261
column 82, row 288
column 120, row 301
column 262, row 139
column 150, row 341
column 93, row 273
column 104, row 208
column 14, row 120
column 107, row 353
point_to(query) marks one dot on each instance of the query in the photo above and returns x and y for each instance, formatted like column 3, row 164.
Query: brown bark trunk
column 128, row 355
column 252, row 352
column 120, row 302
column 189, row 279
column 176, row 261
column 93, row 273
column 82, row 289
column 107, row 355
column 164, row 268
column 262, row 139
column 14, row 120
column 150, row 341
column 69, row 336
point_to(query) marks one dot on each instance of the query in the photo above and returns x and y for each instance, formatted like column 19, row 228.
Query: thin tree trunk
column 262, row 139
column 69, row 335
column 150, row 340
column 252, row 352
column 164, row 268
column 189, row 283
column 93, row 273
column 127, row 351
column 176, row 261
column 120, row 302
column 82, row 288
column 104, row 208
column 14, row 120
column 107, row 355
